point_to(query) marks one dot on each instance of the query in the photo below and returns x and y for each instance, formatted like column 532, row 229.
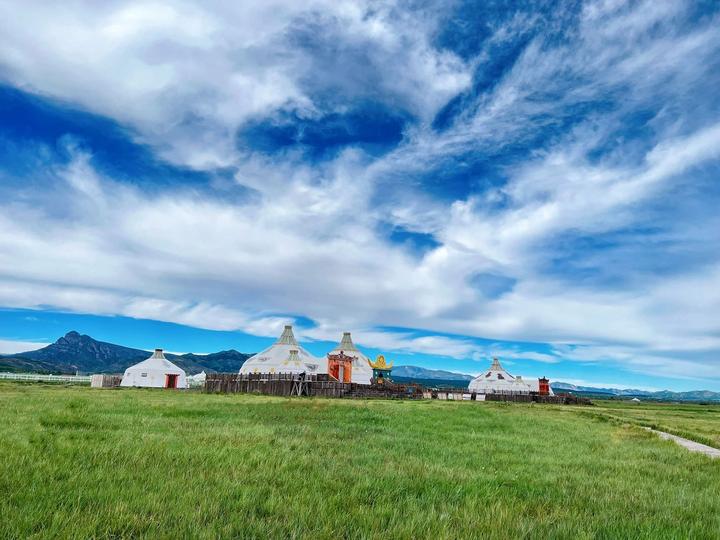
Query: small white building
column 361, row 371
column 155, row 372
column 284, row 356
column 196, row 380
column 498, row 381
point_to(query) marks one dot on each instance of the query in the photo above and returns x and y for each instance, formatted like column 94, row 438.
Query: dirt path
column 690, row 445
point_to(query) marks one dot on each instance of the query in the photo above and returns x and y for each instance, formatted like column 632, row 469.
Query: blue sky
column 449, row 181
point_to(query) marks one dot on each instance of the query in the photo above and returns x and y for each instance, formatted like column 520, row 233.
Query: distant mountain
column 433, row 383
column 221, row 362
column 567, row 387
column 13, row 363
column 414, row 372
column 662, row 395
column 75, row 352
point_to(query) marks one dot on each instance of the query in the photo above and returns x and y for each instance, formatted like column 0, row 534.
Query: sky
column 450, row 181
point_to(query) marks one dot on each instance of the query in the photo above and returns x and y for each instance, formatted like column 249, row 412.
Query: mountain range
column 660, row 395
column 414, row 372
column 75, row 352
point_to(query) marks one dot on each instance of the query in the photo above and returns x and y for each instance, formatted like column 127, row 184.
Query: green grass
column 699, row 423
column 80, row 463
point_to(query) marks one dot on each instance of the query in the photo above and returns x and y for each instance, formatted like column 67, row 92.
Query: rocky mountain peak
column 70, row 337
column 80, row 352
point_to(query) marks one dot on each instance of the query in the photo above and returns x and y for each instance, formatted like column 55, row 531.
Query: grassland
column 80, row 463
column 697, row 422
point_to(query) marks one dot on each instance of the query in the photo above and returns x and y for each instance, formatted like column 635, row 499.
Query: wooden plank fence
column 288, row 384
column 275, row 384
column 102, row 380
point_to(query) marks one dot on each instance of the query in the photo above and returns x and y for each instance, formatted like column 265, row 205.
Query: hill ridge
column 75, row 352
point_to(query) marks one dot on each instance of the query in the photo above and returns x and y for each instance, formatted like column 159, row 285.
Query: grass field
column 700, row 423
column 80, row 463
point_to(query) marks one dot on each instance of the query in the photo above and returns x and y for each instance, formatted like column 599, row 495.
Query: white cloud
column 398, row 341
column 11, row 347
column 186, row 76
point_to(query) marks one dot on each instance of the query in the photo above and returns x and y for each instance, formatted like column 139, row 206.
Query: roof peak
column 287, row 337
column 346, row 343
column 158, row 354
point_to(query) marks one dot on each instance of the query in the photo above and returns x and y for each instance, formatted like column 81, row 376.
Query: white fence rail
column 38, row 377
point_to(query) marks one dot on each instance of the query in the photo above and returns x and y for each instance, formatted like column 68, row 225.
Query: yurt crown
column 347, row 343
column 287, row 337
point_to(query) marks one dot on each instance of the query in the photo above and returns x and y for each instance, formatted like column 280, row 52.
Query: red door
column 171, row 381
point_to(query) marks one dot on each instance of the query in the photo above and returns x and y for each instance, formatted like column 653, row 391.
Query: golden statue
column 380, row 363
column 381, row 370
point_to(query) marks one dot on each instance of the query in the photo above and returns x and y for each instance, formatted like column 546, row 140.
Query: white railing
column 38, row 377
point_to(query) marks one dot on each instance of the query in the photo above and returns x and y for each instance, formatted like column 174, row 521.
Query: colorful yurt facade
column 361, row 371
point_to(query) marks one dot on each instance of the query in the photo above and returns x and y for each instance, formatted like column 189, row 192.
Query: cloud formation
column 553, row 182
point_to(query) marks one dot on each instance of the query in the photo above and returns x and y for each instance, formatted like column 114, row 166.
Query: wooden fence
column 276, row 384
column 288, row 384
column 102, row 380
column 559, row 399
column 464, row 395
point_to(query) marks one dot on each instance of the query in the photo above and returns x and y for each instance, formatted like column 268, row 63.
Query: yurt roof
column 497, row 378
column 347, row 346
column 157, row 362
column 284, row 356
column 496, row 373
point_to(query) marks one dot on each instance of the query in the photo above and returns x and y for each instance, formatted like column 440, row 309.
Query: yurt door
column 171, row 381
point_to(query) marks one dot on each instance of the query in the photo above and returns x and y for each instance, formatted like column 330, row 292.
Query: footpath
column 690, row 445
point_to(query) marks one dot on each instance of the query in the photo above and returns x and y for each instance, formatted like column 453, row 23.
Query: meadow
column 80, row 463
column 697, row 422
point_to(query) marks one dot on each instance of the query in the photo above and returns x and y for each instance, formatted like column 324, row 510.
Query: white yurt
column 497, row 381
column 284, row 356
column 196, row 380
column 155, row 372
column 361, row 370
